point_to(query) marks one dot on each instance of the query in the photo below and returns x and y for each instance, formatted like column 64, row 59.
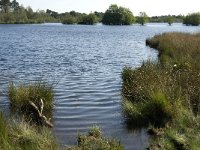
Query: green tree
column 115, row 15
column 52, row 13
column 15, row 5
column 20, row 15
column 5, row 5
column 192, row 19
column 99, row 16
column 170, row 20
column 69, row 19
column 89, row 19
column 142, row 18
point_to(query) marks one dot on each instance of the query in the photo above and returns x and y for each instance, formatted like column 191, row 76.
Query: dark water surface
column 85, row 64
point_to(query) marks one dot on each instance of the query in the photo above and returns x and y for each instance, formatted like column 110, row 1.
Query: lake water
column 84, row 63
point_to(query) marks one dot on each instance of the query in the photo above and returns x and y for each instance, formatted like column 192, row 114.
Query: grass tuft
column 18, row 135
column 20, row 96
column 95, row 141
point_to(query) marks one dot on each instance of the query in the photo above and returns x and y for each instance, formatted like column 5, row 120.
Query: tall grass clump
column 166, row 94
column 18, row 135
column 95, row 141
column 21, row 96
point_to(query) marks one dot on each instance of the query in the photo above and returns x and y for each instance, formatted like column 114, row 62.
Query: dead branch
column 41, row 118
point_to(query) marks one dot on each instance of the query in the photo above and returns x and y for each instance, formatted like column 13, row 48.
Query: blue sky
column 151, row 7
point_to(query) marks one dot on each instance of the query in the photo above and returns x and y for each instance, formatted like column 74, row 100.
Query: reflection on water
column 85, row 62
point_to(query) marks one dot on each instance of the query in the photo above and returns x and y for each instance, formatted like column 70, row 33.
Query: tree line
column 11, row 12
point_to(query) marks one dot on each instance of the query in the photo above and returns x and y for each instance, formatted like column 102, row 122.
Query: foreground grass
column 25, row 134
column 95, row 141
column 21, row 96
column 19, row 135
column 165, row 95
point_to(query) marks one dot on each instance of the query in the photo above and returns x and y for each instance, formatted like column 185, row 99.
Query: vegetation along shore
column 164, row 95
column 11, row 12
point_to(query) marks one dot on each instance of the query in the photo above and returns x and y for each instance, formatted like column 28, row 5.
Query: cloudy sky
column 151, row 7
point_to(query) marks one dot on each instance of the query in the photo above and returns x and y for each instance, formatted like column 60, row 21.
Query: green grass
column 19, row 135
column 166, row 94
column 20, row 96
column 95, row 141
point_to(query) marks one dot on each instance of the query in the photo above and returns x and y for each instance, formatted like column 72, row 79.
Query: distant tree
column 99, row 16
column 142, row 18
column 73, row 13
column 69, row 19
column 20, row 15
column 5, row 5
column 170, row 20
column 89, row 19
column 192, row 19
column 115, row 15
column 165, row 18
column 52, row 13
column 15, row 5
column 30, row 13
column 12, row 12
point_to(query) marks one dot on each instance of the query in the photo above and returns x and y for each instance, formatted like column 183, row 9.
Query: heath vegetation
column 165, row 94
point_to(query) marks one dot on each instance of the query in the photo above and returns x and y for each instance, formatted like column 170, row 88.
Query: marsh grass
column 181, row 49
column 19, row 135
column 94, row 140
column 167, row 93
column 20, row 96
